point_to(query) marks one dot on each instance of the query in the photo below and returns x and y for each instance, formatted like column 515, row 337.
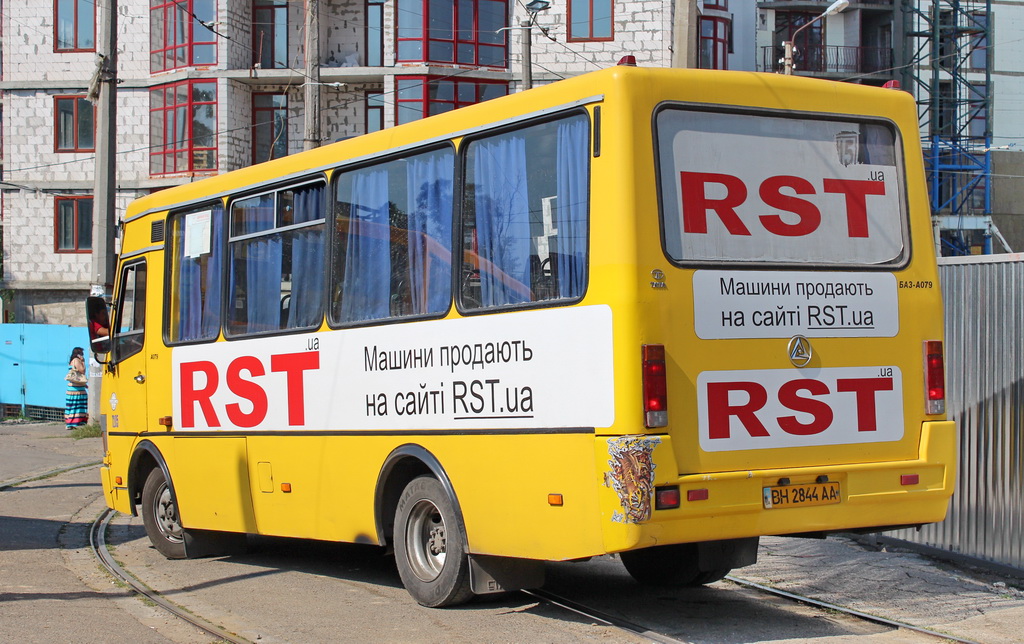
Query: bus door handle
column 139, row 378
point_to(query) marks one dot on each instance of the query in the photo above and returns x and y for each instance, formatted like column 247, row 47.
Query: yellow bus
column 651, row 312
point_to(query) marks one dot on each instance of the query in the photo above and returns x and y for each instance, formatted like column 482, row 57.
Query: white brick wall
column 641, row 28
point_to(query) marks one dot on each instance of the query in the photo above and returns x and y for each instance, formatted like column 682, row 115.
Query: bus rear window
column 757, row 188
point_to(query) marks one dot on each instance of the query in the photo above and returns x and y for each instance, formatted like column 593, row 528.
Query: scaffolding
column 948, row 68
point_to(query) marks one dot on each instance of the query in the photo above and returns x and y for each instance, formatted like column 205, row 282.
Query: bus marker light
column 655, row 387
column 165, row 421
column 666, row 498
column 118, row 480
column 555, row 500
column 697, row 495
column 909, row 479
column 286, row 487
column 628, row 61
column 934, row 378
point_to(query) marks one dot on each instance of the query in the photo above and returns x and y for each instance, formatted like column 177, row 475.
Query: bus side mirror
column 98, row 322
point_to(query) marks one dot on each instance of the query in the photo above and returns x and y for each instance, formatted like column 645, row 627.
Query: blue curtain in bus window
column 502, row 220
column 429, row 179
column 307, row 258
column 199, row 290
column 366, row 288
column 571, row 206
column 260, row 260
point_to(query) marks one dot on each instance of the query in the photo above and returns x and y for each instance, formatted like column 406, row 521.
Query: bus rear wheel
column 160, row 516
column 672, row 565
column 430, row 545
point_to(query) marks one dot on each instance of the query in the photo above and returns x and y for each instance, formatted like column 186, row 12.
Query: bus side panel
column 211, row 483
column 503, row 484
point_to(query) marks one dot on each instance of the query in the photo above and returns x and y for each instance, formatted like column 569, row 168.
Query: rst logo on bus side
column 762, row 409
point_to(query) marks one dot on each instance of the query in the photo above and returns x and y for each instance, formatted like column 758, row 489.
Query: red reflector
column 697, row 495
column 666, row 498
column 910, row 479
column 934, row 377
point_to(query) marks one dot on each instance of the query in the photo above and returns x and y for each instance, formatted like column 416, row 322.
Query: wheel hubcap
column 166, row 513
column 426, row 540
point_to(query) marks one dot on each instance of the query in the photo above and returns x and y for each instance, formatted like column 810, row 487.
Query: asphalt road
column 52, row 590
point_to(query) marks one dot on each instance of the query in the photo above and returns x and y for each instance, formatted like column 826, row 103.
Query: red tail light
column 654, row 385
column 934, row 378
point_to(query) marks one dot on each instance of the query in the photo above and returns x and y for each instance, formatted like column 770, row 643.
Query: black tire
column 160, row 516
column 674, row 565
column 430, row 545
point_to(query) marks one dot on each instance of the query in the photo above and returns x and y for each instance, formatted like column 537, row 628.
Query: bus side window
column 277, row 260
column 526, row 215
column 130, row 320
column 392, row 239
column 196, row 252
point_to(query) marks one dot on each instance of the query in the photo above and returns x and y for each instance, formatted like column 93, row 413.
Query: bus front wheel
column 430, row 545
column 160, row 516
column 672, row 565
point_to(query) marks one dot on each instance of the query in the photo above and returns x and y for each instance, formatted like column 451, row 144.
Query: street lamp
column 533, row 8
column 787, row 60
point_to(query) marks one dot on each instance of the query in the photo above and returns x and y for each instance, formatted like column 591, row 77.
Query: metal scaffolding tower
column 949, row 70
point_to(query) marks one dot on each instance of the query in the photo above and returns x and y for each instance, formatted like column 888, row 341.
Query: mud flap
column 213, row 543
column 726, row 554
column 489, row 574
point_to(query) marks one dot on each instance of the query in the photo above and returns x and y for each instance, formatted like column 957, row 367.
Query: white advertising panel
column 550, row 368
column 760, row 188
column 772, row 408
column 781, row 304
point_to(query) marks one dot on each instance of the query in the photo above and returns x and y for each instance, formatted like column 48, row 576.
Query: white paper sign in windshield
column 756, row 188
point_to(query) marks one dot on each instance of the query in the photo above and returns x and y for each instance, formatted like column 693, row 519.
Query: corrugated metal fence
column 984, row 308
column 33, row 362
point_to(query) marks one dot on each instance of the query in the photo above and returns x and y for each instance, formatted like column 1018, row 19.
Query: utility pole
column 103, row 94
column 527, row 27
column 311, row 95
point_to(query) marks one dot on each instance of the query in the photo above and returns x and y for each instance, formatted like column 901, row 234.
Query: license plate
column 799, row 496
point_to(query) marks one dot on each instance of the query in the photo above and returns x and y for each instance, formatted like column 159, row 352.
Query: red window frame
column 374, row 107
column 719, row 42
column 374, row 33
column 573, row 36
column 175, row 145
column 456, row 38
column 428, row 95
column 265, row 117
column 265, row 35
column 173, row 24
column 77, row 102
column 78, row 230
column 76, row 29
column 721, row 5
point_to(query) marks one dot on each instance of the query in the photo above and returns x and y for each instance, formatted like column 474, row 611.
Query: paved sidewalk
column 30, row 448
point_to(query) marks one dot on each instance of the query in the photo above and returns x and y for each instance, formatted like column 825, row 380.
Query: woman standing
column 76, row 411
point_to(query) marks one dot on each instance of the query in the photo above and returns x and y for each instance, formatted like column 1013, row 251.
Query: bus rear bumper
column 730, row 505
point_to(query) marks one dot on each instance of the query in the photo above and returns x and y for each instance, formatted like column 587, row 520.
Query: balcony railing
column 830, row 59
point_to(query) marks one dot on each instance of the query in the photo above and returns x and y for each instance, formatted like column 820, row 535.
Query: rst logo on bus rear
column 764, row 409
